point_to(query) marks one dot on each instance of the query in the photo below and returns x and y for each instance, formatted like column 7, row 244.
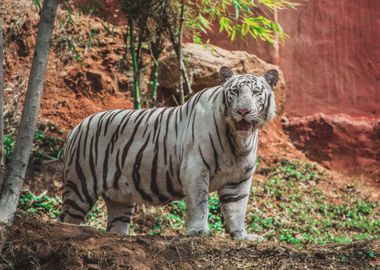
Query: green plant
column 296, row 210
column 290, row 206
column 50, row 208
column 237, row 18
column 9, row 144
column 45, row 147
column 40, row 204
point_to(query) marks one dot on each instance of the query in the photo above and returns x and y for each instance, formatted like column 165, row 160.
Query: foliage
column 40, row 204
column 45, row 147
column 160, row 20
column 49, row 208
column 289, row 207
column 294, row 209
column 237, row 18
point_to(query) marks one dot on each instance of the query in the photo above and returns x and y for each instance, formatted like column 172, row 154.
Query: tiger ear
column 225, row 73
column 271, row 77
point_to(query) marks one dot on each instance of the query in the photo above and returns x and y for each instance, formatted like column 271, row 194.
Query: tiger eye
column 255, row 91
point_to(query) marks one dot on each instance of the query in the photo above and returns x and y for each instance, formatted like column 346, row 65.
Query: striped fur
column 158, row 155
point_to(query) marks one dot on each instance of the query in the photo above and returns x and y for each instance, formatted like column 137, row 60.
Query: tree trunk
column 15, row 174
column 2, row 152
column 136, row 89
column 177, row 45
column 179, row 49
column 155, row 81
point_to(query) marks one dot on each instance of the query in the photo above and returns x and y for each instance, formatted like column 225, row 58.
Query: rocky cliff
column 331, row 60
column 331, row 64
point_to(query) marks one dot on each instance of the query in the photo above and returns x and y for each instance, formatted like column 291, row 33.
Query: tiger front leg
column 234, row 199
column 196, row 192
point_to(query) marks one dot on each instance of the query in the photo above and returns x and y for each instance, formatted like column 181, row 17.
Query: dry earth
column 42, row 245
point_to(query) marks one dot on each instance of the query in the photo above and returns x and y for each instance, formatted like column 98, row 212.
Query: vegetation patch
column 290, row 206
column 47, row 145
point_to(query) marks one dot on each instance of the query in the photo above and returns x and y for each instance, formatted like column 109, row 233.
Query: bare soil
column 36, row 244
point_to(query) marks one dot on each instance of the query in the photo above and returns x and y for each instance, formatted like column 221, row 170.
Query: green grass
column 45, row 147
column 290, row 206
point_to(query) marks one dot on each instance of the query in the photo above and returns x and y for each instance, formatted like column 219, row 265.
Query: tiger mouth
column 244, row 125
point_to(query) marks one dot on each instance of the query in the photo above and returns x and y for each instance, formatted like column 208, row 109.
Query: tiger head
column 249, row 99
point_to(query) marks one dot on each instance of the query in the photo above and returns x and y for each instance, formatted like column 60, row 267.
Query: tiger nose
column 243, row 112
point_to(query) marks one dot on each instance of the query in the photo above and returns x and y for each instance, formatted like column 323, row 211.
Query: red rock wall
column 331, row 61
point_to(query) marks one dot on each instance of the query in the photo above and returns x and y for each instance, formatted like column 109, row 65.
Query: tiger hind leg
column 119, row 216
column 75, row 207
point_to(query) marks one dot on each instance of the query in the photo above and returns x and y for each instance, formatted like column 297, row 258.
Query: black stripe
column 82, row 178
column 145, row 130
column 136, row 173
column 166, row 134
column 176, row 123
column 203, row 159
column 73, row 140
column 218, row 134
column 213, row 93
column 127, row 113
column 129, row 143
column 114, row 138
column 65, row 193
column 157, row 125
column 170, row 188
column 193, row 128
column 117, row 174
column 116, row 114
column 105, row 167
column 141, row 114
column 153, row 183
column 126, row 122
column 180, row 112
column 74, row 205
column 231, row 141
column 98, row 132
column 109, row 118
column 229, row 198
column 71, row 143
column 171, row 165
column 70, row 184
column 92, row 168
column 119, row 219
column 149, row 115
column 194, row 100
column 267, row 104
column 73, row 215
column 71, row 159
column 215, row 154
column 86, row 136
column 178, row 176
column 237, row 184
column 217, row 95
column 124, row 219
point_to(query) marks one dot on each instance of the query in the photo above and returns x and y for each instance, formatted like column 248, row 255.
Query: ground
column 46, row 245
column 333, row 220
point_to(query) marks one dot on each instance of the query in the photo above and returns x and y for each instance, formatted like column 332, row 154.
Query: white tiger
column 158, row 155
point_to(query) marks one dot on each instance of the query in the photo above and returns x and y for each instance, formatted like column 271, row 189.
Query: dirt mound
column 41, row 245
column 86, row 72
column 338, row 142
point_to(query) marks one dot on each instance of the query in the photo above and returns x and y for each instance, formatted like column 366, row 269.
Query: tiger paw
column 254, row 237
column 247, row 236
column 198, row 232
